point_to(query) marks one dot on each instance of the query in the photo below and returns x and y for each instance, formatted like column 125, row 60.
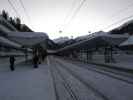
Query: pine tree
column 5, row 14
column 18, row 23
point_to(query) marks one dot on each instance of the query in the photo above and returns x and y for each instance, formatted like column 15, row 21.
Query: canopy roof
column 27, row 34
column 95, row 41
column 27, row 38
column 8, row 43
column 128, row 42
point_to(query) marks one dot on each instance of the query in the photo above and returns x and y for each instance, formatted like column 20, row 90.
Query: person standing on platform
column 12, row 60
column 35, row 61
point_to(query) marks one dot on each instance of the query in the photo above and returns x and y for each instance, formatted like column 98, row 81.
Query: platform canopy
column 128, row 42
column 96, row 41
column 28, row 39
column 8, row 43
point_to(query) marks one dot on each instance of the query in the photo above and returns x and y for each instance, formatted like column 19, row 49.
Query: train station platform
column 26, row 83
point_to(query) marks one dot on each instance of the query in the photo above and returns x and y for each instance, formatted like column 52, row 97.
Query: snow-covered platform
column 26, row 83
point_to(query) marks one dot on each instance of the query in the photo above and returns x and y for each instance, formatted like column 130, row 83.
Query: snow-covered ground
column 26, row 83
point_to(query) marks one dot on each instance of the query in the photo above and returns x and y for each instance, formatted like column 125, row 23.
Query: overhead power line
column 117, row 13
column 121, row 10
column 68, row 15
column 118, row 22
column 75, row 13
column 25, row 11
column 14, row 8
column 77, row 10
column 70, row 10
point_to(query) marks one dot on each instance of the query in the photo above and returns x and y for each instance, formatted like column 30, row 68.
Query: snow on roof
column 128, row 42
column 7, row 42
column 90, row 35
column 27, row 34
column 82, row 37
column 27, row 41
column 61, row 39
column 27, row 38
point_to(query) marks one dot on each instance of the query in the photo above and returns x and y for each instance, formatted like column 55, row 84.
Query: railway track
column 76, row 87
column 58, row 78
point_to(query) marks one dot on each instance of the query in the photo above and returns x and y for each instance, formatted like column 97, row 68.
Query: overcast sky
column 51, row 16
